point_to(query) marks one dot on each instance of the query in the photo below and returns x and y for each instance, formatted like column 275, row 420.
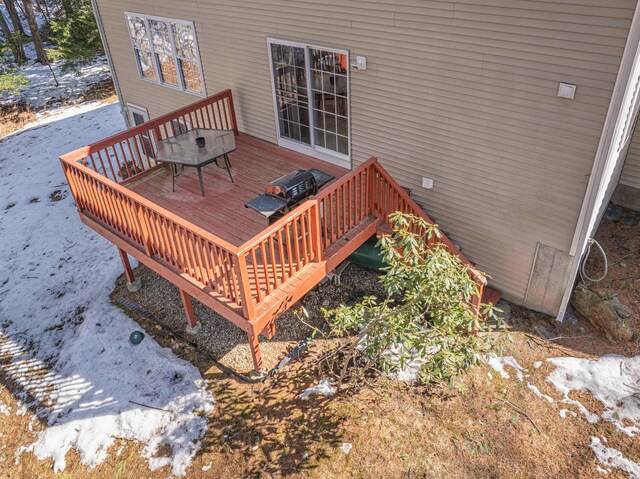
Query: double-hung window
column 166, row 51
column 311, row 98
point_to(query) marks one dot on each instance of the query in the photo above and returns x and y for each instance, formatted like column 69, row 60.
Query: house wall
column 463, row 92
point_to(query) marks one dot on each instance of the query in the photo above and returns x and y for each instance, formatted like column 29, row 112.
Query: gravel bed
column 226, row 342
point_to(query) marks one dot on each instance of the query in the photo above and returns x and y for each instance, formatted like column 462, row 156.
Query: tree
column 77, row 37
column 13, row 15
column 426, row 325
column 41, row 55
column 14, row 39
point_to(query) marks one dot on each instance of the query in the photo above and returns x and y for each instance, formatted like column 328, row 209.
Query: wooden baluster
column 240, row 267
column 316, row 232
column 265, row 266
column 282, row 257
column 254, row 264
column 274, row 262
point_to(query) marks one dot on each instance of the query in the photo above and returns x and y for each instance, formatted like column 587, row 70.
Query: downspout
column 116, row 84
column 623, row 105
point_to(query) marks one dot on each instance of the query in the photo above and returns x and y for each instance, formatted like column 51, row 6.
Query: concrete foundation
column 627, row 196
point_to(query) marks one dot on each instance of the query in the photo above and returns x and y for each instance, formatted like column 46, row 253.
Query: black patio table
column 183, row 150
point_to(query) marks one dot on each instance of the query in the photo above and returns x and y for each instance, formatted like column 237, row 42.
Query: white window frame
column 313, row 150
column 132, row 108
column 174, row 55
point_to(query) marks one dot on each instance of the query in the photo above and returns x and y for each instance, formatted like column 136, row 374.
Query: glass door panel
column 292, row 99
column 329, row 100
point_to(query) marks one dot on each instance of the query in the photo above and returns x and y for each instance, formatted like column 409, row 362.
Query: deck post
column 192, row 325
column 133, row 283
column 254, row 346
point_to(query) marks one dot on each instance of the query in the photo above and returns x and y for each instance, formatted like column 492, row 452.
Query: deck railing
column 244, row 276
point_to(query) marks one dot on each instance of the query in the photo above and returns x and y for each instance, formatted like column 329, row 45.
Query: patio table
column 182, row 150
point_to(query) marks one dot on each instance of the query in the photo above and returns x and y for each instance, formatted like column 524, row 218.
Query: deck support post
column 192, row 324
column 133, row 283
column 254, row 346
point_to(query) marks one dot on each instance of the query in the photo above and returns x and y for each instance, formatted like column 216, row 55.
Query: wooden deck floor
column 255, row 163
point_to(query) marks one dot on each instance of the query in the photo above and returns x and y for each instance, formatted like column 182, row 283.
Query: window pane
column 331, row 141
column 319, row 137
column 138, row 32
column 146, row 65
column 185, row 41
column 343, row 126
column 168, row 69
column 343, row 145
column 160, row 36
column 191, row 75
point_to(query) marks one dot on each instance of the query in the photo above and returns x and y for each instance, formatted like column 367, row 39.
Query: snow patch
column 538, row 393
column 68, row 344
column 4, row 409
column 612, row 380
column 42, row 91
column 324, row 388
column 537, row 364
column 346, row 447
column 611, row 457
column 498, row 363
column 563, row 413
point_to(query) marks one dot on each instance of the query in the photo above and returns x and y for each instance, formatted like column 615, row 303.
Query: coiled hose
column 583, row 275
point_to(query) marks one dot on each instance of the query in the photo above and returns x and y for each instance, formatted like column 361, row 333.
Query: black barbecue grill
column 287, row 191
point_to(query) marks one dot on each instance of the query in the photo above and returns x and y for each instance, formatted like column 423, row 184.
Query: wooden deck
column 213, row 248
column 255, row 163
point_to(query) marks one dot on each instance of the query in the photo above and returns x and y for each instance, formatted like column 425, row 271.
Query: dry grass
column 397, row 432
column 14, row 117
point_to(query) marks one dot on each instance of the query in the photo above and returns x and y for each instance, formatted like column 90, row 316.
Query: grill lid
column 293, row 186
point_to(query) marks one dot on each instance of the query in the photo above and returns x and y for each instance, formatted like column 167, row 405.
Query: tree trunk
column 15, row 41
column 13, row 15
column 41, row 55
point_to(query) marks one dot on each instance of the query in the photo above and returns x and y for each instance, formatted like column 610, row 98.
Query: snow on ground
column 42, row 91
column 498, row 363
column 613, row 380
column 613, row 458
column 4, row 409
column 69, row 345
column 324, row 388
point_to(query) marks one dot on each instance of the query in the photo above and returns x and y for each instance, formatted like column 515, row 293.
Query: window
column 166, row 51
column 311, row 97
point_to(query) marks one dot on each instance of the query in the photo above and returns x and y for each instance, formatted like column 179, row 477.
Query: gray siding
column 463, row 92
column 631, row 170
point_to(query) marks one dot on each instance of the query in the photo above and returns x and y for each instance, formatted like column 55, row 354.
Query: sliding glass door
column 311, row 98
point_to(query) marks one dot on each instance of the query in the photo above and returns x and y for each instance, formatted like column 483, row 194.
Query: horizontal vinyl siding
column 463, row 92
column 631, row 170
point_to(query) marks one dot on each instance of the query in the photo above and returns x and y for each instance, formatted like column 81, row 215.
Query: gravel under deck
column 228, row 343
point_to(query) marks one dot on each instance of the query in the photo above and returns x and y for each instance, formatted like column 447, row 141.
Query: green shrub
column 426, row 320
column 12, row 83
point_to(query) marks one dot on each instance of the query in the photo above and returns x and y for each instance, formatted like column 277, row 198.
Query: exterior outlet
column 427, row 183
column 567, row 90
